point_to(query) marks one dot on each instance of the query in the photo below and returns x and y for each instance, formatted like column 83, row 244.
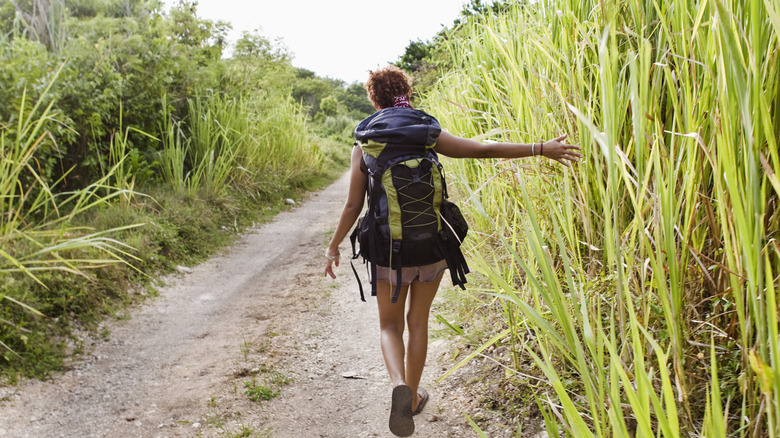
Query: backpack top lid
column 405, row 129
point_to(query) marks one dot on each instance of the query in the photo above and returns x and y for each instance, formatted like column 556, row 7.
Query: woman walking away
column 404, row 295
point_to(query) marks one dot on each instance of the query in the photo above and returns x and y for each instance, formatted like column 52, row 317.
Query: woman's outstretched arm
column 458, row 147
column 352, row 208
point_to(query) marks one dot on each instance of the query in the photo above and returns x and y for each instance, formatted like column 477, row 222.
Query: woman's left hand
column 561, row 152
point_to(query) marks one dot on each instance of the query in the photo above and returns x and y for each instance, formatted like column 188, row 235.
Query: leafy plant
column 77, row 151
column 257, row 392
column 36, row 231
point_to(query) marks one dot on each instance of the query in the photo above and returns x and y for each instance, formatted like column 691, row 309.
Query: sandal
column 422, row 395
column 401, row 421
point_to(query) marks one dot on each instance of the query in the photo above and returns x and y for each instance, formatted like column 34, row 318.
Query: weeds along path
column 259, row 321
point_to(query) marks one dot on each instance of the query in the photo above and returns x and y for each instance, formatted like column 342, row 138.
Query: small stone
column 289, row 201
column 196, row 425
column 184, row 269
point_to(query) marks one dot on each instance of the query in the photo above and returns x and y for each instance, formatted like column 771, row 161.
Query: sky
column 340, row 39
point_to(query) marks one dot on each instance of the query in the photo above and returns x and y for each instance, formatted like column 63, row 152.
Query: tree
column 254, row 45
column 193, row 31
column 415, row 54
column 112, row 8
column 329, row 106
column 356, row 101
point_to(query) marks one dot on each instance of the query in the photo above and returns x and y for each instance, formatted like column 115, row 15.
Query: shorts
column 423, row 274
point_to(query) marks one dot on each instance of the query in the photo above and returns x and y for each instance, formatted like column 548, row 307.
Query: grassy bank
column 641, row 285
column 72, row 258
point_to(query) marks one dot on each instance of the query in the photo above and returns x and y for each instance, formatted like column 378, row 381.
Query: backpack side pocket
column 454, row 223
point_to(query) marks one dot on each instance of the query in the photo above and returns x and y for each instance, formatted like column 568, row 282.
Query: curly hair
column 387, row 83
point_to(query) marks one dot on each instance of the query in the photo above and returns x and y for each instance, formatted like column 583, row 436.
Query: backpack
column 409, row 221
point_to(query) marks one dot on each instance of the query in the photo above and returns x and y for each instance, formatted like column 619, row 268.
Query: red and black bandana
column 401, row 101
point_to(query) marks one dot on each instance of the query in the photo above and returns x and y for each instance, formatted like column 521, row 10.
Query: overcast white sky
column 340, row 39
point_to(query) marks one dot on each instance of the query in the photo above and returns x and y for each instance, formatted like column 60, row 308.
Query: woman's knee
column 417, row 322
column 393, row 327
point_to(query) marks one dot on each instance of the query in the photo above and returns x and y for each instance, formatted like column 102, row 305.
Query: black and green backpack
column 409, row 220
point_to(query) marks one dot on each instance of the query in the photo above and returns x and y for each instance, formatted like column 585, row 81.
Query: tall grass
column 117, row 167
column 173, row 154
column 42, row 22
column 240, row 142
column 213, row 141
column 36, row 231
column 649, row 273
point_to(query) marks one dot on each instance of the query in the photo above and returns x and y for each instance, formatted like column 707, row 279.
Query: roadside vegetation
column 636, row 294
column 633, row 295
column 130, row 144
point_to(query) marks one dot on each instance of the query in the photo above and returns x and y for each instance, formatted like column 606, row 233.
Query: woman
column 390, row 87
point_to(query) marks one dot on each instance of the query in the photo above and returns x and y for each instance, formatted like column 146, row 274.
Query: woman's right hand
column 561, row 152
column 333, row 258
column 358, row 181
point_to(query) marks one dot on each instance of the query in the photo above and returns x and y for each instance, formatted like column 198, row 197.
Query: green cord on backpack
column 409, row 221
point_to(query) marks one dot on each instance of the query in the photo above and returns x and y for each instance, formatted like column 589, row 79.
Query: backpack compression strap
column 372, row 243
column 355, row 255
column 456, row 263
column 397, row 262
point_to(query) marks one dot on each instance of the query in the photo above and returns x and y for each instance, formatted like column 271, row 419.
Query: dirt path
column 260, row 313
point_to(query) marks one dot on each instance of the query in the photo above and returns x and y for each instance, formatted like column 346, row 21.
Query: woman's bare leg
column 420, row 299
column 391, row 326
